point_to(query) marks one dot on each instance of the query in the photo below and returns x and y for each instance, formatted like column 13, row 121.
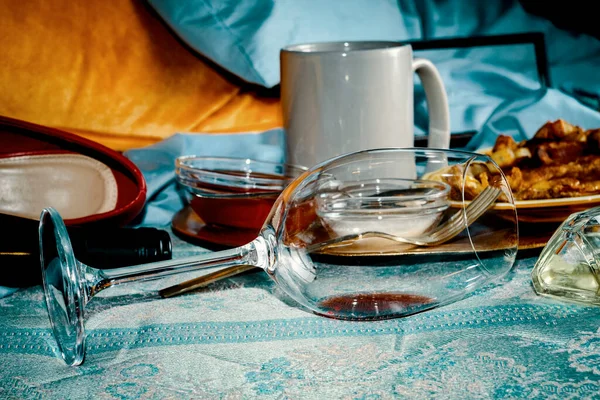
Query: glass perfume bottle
column 569, row 266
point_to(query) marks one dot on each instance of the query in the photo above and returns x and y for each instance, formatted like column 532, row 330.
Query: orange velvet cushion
column 112, row 72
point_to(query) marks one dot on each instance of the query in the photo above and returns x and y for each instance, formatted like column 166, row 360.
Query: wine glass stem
column 251, row 254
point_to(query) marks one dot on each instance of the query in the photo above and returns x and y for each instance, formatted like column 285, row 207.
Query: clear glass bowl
column 233, row 192
column 399, row 207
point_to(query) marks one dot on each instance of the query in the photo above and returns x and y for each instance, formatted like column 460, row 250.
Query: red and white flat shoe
column 85, row 181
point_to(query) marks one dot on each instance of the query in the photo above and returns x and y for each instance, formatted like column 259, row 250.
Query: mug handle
column 437, row 103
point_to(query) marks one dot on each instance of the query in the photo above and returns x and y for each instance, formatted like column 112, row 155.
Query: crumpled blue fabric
column 245, row 38
column 476, row 87
column 157, row 163
column 522, row 117
column 6, row 291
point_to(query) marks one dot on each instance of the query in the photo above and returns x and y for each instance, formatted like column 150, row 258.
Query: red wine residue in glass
column 373, row 305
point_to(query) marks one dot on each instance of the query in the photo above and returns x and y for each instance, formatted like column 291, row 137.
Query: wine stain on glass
column 389, row 294
column 372, row 306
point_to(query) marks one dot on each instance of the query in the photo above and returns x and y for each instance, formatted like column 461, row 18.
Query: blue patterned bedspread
column 242, row 338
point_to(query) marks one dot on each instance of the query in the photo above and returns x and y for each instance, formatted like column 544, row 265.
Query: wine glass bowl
column 366, row 277
column 305, row 248
column 233, row 192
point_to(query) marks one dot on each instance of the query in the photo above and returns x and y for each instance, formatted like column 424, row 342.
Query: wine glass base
column 63, row 291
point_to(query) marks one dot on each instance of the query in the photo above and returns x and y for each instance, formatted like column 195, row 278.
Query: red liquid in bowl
column 246, row 212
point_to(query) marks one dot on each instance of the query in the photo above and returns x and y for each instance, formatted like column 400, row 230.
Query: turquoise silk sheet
column 242, row 339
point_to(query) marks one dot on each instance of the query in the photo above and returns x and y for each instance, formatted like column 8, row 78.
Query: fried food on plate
column 561, row 160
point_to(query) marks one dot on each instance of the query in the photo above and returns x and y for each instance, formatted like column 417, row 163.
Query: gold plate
column 542, row 211
column 533, row 211
column 188, row 225
column 485, row 242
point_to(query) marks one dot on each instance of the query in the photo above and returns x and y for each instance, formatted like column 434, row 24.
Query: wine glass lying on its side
column 312, row 243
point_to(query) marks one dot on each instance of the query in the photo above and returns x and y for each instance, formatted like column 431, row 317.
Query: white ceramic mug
column 348, row 96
